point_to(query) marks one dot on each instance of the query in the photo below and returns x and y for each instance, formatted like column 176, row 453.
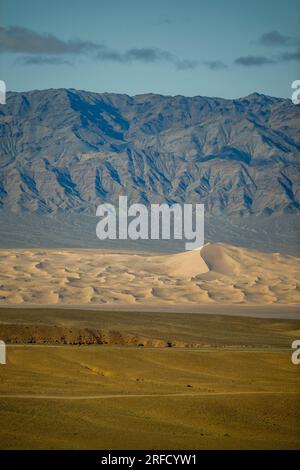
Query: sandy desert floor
column 103, row 397
column 217, row 273
column 205, row 381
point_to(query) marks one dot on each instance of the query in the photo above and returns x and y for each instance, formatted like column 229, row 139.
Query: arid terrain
column 127, row 136
column 112, row 350
column 217, row 273
column 153, row 380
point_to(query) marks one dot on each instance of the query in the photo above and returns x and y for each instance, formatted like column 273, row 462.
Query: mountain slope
column 68, row 150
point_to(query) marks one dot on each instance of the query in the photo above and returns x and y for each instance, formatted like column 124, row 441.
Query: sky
column 225, row 48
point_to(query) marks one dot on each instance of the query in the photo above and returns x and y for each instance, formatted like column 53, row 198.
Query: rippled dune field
column 217, row 273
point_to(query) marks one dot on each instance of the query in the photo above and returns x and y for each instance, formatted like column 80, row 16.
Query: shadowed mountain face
column 67, row 150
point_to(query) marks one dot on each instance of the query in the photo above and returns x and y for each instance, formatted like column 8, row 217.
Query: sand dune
column 217, row 273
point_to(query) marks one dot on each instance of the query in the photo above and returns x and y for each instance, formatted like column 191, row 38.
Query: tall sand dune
column 217, row 273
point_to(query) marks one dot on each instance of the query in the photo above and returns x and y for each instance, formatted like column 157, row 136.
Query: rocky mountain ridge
column 63, row 150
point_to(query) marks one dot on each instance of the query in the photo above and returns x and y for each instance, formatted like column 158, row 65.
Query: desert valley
column 150, row 350
column 119, row 346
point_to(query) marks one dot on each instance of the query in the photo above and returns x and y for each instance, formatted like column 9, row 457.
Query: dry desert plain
column 118, row 350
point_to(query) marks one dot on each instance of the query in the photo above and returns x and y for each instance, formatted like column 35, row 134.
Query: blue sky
column 226, row 48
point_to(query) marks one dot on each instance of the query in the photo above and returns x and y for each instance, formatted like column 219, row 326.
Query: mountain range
column 64, row 150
